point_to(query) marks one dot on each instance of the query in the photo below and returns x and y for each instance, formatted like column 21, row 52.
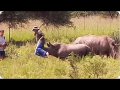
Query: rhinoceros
column 63, row 50
column 101, row 45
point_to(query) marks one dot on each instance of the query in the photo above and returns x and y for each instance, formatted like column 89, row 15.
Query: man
column 40, row 42
column 3, row 44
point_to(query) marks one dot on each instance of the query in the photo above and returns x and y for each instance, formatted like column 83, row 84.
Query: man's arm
column 1, row 45
column 41, row 37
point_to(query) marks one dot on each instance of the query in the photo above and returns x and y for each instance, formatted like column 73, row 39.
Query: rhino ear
column 48, row 44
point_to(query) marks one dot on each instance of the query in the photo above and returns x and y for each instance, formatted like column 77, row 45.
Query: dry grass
column 88, row 25
column 95, row 21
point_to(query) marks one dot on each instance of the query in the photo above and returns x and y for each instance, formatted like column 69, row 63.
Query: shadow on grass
column 21, row 43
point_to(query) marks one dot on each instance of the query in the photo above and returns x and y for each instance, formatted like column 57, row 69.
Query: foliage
column 56, row 18
column 72, row 59
column 111, row 14
column 95, row 67
column 116, row 36
column 13, row 18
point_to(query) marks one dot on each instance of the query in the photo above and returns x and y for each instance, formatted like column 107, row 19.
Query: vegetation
column 56, row 18
column 22, row 63
column 104, row 14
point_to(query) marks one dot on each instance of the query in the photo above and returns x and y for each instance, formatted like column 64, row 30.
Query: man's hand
column 4, row 44
column 35, row 33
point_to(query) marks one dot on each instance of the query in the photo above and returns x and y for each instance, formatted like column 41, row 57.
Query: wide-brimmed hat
column 35, row 28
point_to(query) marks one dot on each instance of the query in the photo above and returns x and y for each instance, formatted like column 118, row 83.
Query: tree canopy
column 56, row 18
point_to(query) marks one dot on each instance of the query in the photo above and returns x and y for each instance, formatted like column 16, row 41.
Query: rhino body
column 101, row 45
column 63, row 50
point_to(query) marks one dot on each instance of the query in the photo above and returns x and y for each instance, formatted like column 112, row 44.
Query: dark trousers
column 2, row 54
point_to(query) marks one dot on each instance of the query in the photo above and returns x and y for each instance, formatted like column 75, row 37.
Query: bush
column 115, row 36
column 95, row 67
column 11, row 52
column 87, row 67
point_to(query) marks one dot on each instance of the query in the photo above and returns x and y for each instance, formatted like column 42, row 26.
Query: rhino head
column 53, row 49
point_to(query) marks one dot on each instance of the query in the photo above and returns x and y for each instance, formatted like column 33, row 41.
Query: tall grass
column 22, row 63
column 90, row 25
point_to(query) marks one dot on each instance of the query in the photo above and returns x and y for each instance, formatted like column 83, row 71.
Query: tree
column 55, row 18
column 13, row 18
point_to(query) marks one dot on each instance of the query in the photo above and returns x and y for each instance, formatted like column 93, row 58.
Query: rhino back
column 80, row 49
column 98, row 44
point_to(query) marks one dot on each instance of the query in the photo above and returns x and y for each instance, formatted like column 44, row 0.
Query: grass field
column 22, row 63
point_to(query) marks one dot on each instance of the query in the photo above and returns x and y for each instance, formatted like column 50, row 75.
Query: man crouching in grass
column 3, row 44
column 40, row 42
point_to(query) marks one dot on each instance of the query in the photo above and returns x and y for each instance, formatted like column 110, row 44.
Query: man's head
column 1, row 32
column 35, row 29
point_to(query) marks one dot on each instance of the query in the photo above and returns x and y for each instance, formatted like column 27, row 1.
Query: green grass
column 22, row 63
